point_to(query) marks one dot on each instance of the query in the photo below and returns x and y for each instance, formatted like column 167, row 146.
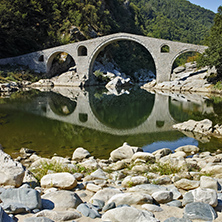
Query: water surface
column 67, row 118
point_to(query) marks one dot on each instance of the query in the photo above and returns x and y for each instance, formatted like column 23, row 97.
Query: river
column 63, row 119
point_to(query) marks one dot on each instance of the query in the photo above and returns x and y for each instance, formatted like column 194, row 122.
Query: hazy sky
column 208, row 4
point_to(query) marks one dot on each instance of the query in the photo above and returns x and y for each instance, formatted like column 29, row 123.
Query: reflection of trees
column 195, row 111
column 122, row 112
column 61, row 105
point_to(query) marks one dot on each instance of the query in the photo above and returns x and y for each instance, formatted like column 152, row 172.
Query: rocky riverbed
column 132, row 185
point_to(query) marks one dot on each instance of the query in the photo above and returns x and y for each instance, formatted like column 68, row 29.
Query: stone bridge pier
column 84, row 54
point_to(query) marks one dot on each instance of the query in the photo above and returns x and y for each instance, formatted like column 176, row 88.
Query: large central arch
column 111, row 40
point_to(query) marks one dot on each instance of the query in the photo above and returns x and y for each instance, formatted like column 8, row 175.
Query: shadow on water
column 60, row 121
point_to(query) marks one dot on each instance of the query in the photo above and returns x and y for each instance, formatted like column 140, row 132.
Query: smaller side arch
column 184, row 51
column 82, row 51
column 165, row 48
column 51, row 57
column 41, row 58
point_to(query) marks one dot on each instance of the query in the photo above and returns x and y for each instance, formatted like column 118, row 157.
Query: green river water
column 67, row 118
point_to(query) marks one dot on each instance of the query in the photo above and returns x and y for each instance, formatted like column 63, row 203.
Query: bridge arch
column 184, row 51
column 165, row 48
column 52, row 56
column 111, row 40
column 82, row 51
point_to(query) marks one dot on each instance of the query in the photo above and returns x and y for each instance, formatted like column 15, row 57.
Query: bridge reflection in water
column 66, row 118
column 136, row 113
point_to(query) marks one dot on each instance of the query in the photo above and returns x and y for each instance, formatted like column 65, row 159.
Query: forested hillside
column 30, row 25
column 173, row 19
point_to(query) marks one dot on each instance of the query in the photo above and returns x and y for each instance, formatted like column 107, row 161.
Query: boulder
column 62, row 199
column 118, row 82
column 105, row 194
column 59, row 215
column 175, row 191
column 98, row 203
column 142, row 168
column 188, row 149
column 123, row 152
column 88, row 210
column 148, row 157
column 93, row 187
column 161, row 153
column 130, row 198
column 179, row 69
column 21, row 199
column 175, row 203
column 11, row 172
column 186, row 184
column 119, row 165
column 199, row 211
column 109, row 206
column 98, row 174
column 174, row 219
column 163, row 196
column 134, row 180
column 208, row 182
column 64, row 181
column 152, row 208
column 80, row 153
column 212, row 169
column 38, row 219
column 90, row 164
column 203, row 126
column 161, row 180
column 147, row 188
column 4, row 216
column 178, row 154
column 125, row 213
column 208, row 196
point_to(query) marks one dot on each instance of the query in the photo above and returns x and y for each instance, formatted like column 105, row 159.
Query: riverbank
column 187, row 79
column 129, row 186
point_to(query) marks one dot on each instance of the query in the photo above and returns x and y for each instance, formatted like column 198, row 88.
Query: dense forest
column 30, row 25
column 213, row 55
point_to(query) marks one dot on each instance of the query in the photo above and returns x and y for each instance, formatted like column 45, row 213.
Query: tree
column 213, row 55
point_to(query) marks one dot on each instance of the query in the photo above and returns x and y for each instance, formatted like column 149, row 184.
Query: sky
column 208, row 4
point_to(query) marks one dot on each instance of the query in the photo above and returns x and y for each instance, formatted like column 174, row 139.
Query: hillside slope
column 30, row 25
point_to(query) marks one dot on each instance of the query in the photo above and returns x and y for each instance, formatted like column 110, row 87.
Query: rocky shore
column 132, row 185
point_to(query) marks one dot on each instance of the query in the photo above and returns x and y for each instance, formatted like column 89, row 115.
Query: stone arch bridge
column 85, row 52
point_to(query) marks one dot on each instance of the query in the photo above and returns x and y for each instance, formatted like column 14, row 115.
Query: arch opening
column 122, row 57
column 82, row 51
column 165, row 49
column 60, row 62
column 41, row 58
column 184, row 62
column 83, row 117
column 60, row 105
column 126, row 111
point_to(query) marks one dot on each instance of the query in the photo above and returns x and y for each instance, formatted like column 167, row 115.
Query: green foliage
column 34, row 25
column 177, row 20
column 213, row 55
column 56, row 167
column 164, row 169
column 218, row 85
column 101, row 77
column 15, row 74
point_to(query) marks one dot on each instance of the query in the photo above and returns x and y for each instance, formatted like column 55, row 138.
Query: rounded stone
column 64, row 181
column 80, row 154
